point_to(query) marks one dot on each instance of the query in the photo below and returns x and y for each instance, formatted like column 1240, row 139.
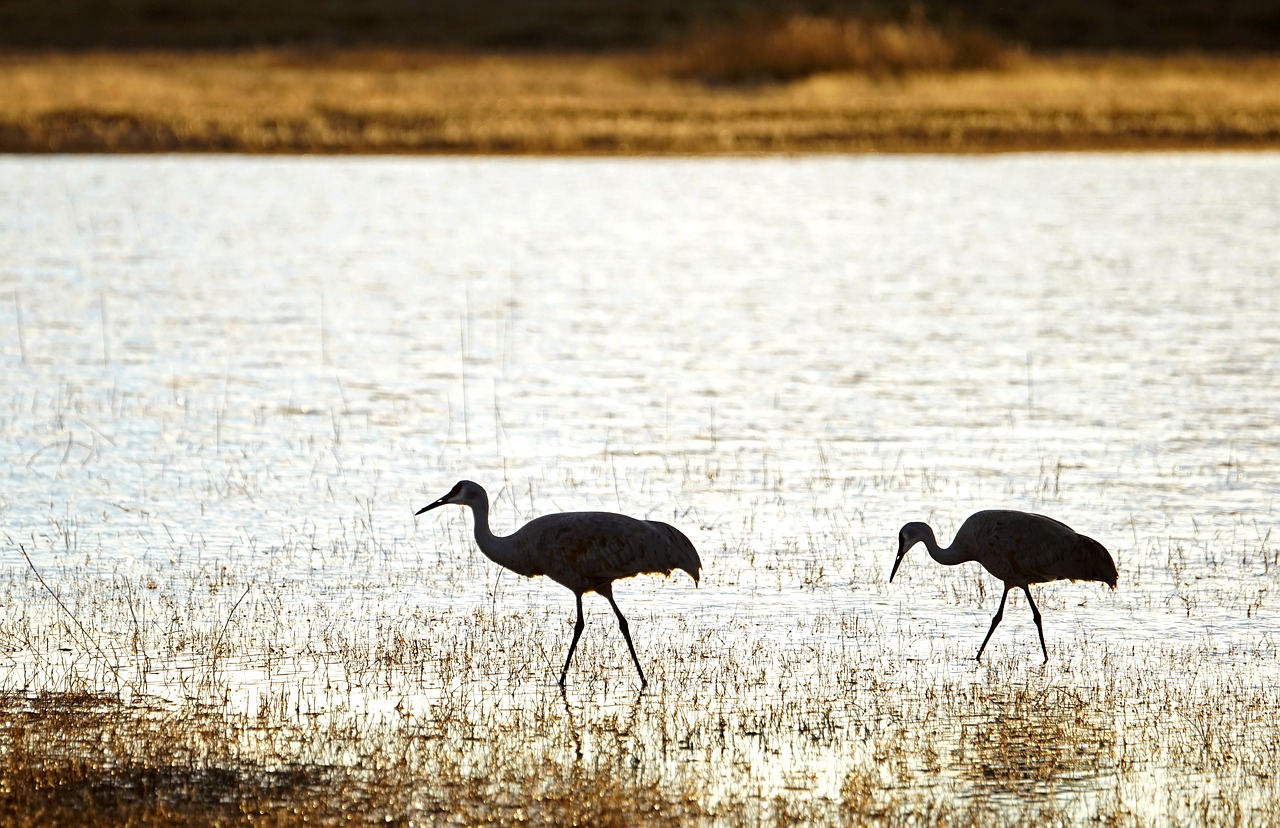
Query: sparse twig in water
column 139, row 650
column 217, row 644
column 106, row 344
column 499, row 430
column 324, row 332
column 71, row 615
column 22, row 339
column 1031, row 395
column 462, row 333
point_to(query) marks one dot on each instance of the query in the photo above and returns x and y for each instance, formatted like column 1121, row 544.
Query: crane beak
column 902, row 553
column 442, row 501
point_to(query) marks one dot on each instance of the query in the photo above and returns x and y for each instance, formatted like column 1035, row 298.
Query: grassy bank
column 385, row 101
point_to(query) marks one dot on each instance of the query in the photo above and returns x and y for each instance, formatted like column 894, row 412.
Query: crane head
column 464, row 493
column 908, row 536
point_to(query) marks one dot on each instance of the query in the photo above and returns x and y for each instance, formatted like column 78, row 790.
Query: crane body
column 1019, row 548
column 582, row 551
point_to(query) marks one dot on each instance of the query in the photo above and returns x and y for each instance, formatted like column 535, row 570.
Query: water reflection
column 1052, row 743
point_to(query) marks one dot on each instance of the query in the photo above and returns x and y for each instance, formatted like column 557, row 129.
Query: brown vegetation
column 90, row 760
column 1017, row 748
column 380, row 101
column 799, row 46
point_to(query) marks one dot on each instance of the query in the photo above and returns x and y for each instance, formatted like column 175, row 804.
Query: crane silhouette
column 1020, row 549
column 584, row 551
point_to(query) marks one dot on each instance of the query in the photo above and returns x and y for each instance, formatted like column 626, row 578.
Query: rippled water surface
column 229, row 383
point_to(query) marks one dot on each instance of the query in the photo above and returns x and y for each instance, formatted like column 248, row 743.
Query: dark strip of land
column 601, row 26
column 395, row 101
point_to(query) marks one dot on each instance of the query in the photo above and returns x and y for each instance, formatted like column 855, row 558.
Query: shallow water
column 232, row 381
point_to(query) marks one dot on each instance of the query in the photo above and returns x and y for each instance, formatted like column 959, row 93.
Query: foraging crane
column 1020, row 549
column 584, row 551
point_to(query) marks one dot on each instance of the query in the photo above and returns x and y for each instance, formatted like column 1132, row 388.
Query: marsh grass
column 452, row 715
column 853, row 746
column 91, row 760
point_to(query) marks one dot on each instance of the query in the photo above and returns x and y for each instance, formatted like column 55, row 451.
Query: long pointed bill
column 901, row 554
column 442, row 501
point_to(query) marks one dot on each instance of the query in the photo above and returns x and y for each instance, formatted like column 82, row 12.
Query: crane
column 583, row 551
column 1020, row 549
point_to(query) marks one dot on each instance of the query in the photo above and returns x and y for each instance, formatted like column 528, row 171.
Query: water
column 230, row 382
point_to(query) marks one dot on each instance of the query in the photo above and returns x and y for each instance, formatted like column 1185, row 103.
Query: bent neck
column 950, row 556
column 490, row 544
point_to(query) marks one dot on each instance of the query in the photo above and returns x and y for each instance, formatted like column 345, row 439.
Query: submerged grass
column 89, row 759
column 441, row 717
column 380, row 101
column 189, row 692
column 95, row 761
column 1003, row 752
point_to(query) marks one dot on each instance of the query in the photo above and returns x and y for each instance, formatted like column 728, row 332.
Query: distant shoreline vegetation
column 1207, row 26
column 917, row 93
column 785, row 48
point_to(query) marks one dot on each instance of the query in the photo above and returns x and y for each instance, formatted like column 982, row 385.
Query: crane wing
column 1044, row 549
column 584, row 550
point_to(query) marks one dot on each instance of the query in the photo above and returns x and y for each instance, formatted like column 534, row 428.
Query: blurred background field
column 610, row 25
column 635, row 78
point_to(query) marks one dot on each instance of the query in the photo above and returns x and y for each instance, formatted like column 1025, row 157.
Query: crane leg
column 1035, row 613
column 995, row 622
column 607, row 592
column 577, row 632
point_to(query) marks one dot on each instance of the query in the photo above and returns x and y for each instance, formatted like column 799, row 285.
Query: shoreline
column 386, row 102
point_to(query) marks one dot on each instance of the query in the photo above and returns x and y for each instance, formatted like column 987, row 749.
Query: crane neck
column 949, row 556
column 490, row 544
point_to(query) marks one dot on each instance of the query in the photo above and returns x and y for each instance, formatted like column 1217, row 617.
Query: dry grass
column 865, row 748
column 92, row 760
column 89, row 760
column 800, row 46
column 399, row 102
